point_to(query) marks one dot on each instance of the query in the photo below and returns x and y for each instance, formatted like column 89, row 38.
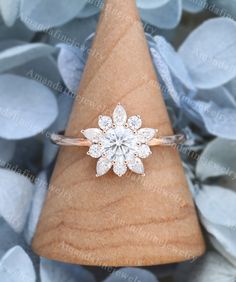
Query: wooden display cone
column 112, row 221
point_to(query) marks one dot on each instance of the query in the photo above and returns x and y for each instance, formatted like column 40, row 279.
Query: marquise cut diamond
column 119, row 143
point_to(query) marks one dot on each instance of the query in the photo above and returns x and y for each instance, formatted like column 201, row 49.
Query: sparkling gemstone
column 105, row 122
column 136, row 166
column 119, row 115
column 93, row 134
column 144, row 151
column 119, row 166
column 134, row 122
column 95, row 151
column 119, row 143
column 146, row 134
column 103, row 166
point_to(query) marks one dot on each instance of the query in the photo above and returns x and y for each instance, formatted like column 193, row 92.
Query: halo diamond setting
column 120, row 143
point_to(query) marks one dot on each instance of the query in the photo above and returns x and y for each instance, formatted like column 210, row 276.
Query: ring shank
column 83, row 142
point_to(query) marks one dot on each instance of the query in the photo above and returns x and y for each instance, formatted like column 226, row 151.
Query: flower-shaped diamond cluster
column 120, row 143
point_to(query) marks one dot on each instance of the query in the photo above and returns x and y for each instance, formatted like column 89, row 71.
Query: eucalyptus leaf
column 71, row 64
column 15, row 198
column 16, row 266
column 19, row 55
column 174, row 61
column 27, row 107
column 40, row 14
column 131, row 274
column 74, row 33
column 43, row 70
column 167, row 16
column 8, row 238
column 194, row 6
column 164, row 72
column 218, row 159
column 212, row 113
column 90, row 10
column 10, row 11
column 7, row 149
column 210, row 268
column 190, row 108
column 40, row 191
column 54, row 271
column 220, row 247
column 217, row 211
column 143, row 4
column 223, row 8
column 211, row 49
column 217, row 109
column 221, row 96
column 217, row 205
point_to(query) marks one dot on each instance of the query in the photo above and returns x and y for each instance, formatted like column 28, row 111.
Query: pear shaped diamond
column 136, row 166
column 103, row 166
column 119, row 115
column 146, row 134
column 144, row 151
column 92, row 134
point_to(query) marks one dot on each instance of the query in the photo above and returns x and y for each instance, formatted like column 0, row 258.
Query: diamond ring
column 119, row 142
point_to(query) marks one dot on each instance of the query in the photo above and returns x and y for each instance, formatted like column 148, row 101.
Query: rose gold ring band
column 83, row 142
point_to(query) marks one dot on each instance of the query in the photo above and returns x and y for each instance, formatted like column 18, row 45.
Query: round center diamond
column 119, row 142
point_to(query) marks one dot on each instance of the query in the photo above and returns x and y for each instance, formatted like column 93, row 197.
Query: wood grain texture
column 114, row 221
